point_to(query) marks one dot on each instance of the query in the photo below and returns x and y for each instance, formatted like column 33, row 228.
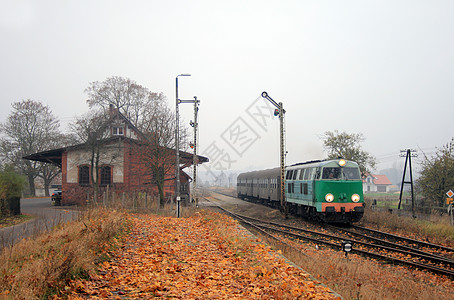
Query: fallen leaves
column 201, row 257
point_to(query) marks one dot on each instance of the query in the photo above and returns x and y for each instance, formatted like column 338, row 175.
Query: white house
column 376, row 183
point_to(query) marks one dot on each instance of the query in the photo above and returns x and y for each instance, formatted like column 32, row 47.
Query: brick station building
column 121, row 168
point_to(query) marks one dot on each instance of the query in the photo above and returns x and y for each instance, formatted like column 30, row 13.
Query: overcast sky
column 381, row 68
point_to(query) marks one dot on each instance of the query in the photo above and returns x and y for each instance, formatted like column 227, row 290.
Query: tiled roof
column 378, row 179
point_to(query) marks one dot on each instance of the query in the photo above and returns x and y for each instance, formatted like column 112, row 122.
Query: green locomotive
column 328, row 190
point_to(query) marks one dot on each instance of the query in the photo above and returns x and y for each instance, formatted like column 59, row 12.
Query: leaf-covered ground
column 206, row 256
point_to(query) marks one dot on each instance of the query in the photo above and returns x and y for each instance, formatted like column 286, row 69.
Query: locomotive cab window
column 347, row 173
column 331, row 173
column 352, row 174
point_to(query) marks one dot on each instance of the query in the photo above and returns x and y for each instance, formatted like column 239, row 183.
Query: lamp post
column 177, row 145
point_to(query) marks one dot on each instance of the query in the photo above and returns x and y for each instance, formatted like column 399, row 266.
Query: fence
column 127, row 200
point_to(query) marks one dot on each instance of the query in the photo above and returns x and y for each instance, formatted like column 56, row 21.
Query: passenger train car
column 328, row 190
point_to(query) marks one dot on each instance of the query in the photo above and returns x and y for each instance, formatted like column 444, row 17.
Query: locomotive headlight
column 342, row 162
column 329, row 197
column 355, row 197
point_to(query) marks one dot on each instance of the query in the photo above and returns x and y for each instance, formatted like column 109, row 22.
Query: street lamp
column 177, row 146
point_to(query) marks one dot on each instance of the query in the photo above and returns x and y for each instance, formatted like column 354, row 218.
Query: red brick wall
column 135, row 179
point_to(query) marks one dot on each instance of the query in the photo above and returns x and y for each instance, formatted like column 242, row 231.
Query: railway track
column 444, row 254
column 393, row 248
column 411, row 241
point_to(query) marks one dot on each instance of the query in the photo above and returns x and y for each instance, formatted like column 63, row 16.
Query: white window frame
column 118, row 130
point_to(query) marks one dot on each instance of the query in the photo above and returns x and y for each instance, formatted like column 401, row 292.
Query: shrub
column 11, row 186
column 38, row 268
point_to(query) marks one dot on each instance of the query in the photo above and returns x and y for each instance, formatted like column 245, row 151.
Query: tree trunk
column 161, row 195
column 46, row 188
column 31, row 184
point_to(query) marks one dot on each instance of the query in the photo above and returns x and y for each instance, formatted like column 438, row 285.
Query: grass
column 436, row 228
column 360, row 278
column 356, row 277
column 39, row 267
column 14, row 220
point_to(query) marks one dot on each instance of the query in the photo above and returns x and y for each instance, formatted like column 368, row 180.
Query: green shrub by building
column 11, row 186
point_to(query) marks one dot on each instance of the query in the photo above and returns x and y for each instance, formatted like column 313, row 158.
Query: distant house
column 376, row 183
column 121, row 169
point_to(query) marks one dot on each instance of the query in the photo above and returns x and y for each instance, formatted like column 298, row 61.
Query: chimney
column 111, row 110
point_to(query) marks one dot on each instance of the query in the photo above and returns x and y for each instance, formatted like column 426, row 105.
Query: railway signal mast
column 280, row 111
column 177, row 140
column 195, row 125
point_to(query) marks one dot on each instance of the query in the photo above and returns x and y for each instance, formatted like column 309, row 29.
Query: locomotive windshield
column 352, row 174
column 347, row 173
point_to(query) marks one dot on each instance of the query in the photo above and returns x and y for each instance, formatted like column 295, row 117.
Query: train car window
column 311, row 176
column 302, row 174
column 308, row 174
column 331, row 173
column 295, row 174
column 351, row 173
column 305, row 189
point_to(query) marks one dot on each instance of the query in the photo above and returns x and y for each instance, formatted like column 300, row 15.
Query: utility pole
column 280, row 111
column 408, row 154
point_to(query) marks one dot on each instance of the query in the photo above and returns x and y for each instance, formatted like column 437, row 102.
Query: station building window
column 106, row 175
column 84, row 175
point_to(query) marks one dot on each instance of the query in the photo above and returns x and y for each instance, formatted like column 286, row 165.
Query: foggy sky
column 381, row 68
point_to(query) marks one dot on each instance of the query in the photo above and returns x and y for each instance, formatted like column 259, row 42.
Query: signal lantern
column 276, row 112
column 347, row 247
column 191, row 145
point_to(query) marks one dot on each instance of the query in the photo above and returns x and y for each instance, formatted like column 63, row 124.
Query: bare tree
column 92, row 130
column 151, row 115
column 31, row 127
column 157, row 150
column 48, row 171
column 130, row 98
column 345, row 145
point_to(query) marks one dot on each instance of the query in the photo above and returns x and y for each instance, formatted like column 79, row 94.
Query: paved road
column 46, row 217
